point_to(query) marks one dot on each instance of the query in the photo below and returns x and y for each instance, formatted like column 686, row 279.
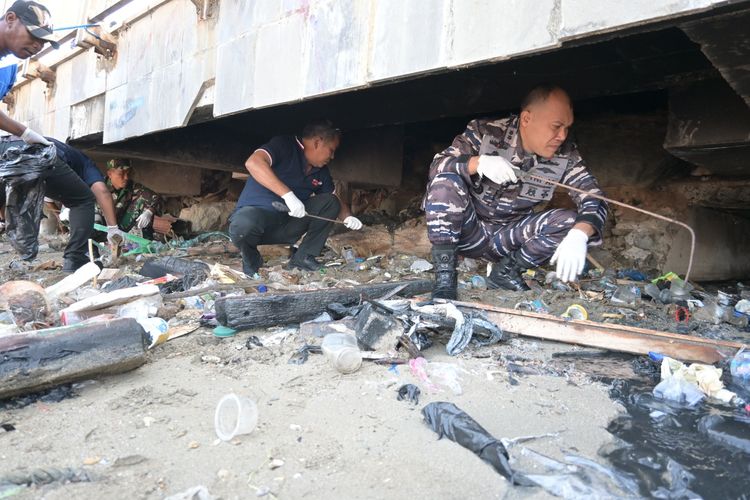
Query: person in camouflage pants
column 135, row 205
column 479, row 205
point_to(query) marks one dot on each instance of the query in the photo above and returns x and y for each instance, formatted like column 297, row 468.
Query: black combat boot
column 446, row 277
column 506, row 274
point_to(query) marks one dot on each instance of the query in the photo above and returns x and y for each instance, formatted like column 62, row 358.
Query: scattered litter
column 235, row 415
column 224, row 331
column 575, row 312
column 420, row 266
column 409, row 392
column 194, row 493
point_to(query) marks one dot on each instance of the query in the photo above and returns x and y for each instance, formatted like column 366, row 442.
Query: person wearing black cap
column 76, row 182
column 24, row 29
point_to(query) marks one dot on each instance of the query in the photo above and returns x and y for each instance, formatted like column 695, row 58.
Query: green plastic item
column 668, row 277
column 224, row 331
column 144, row 245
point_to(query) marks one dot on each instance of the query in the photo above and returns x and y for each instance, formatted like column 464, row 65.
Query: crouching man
column 477, row 206
column 288, row 180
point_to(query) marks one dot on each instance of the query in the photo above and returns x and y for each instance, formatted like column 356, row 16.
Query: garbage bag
column 448, row 420
column 22, row 171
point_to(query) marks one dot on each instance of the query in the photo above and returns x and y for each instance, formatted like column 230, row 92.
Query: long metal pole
column 625, row 205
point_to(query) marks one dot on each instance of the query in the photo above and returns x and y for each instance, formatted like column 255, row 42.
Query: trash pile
column 349, row 313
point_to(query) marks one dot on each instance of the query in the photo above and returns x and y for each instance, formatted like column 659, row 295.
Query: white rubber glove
column 31, row 137
column 571, row 255
column 114, row 233
column 296, row 207
column 497, row 169
column 144, row 219
column 64, row 214
column 353, row 223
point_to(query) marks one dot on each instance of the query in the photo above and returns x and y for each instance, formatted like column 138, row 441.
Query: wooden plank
column 269, row 309
column 32, row 361
column 621, row 338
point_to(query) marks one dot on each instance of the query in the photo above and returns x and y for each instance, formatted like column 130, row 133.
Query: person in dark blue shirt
column 289, row 172
column 77, row 183
column 24, row 29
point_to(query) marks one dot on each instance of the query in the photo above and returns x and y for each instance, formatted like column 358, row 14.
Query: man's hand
column 114, row 235
column 31, row 137
column 353, row 223
column 296, row 207
column 571, row 255
column 497, row 169
column 144, row 219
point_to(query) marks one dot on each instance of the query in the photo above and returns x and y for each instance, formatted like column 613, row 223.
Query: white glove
column 296, row 207
column 353, row 223
column 31, row 137
column 113, row 233
column 571, row 255
column 144, row 219
column 497, row 169
column 64, row 214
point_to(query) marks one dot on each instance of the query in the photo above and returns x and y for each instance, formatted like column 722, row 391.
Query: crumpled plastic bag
column 22, row 171
column 706, row 377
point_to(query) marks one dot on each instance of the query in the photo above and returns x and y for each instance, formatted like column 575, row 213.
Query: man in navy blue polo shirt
column 76, row 182
column 289, row 170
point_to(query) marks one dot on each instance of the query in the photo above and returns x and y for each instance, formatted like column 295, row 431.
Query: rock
column 420, row 266
column 26, row 301
column 208, row 216
column 275, row 463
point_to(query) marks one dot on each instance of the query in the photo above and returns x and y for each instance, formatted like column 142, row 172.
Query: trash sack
column 192, row 272
column 21, row 172
column 448, row 420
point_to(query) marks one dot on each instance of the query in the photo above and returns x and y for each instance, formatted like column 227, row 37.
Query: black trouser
column 253, row 226
column 64, row 185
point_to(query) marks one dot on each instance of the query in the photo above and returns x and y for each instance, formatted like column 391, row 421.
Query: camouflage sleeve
column 456, row 158
column 147, row 199
column 590, row 210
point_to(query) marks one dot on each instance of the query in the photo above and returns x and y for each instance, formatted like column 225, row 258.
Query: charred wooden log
column 32, row 361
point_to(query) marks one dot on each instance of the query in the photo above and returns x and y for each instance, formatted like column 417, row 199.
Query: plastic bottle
column 342, row 352
column 740, row 367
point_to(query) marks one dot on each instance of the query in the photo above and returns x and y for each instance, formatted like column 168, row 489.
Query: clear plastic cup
column 235, row 415
column 342, row 351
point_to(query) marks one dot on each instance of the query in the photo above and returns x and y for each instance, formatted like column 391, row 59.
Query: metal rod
column 622, row 204
column 281, row 207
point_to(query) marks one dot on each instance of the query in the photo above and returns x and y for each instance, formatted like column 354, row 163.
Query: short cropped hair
column 323, row 129
column 540, row 93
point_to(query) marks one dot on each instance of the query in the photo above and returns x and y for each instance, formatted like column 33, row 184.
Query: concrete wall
column 248, row 55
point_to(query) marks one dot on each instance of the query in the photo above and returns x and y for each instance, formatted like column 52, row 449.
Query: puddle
column 671, row 451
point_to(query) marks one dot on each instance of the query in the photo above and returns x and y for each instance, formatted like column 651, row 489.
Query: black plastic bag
column 22, row 171
column 448, row 420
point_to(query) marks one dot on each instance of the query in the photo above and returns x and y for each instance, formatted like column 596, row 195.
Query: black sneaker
column 72, row 265
column 306, row 263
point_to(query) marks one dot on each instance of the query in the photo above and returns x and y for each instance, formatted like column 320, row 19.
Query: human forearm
column 586, row 228
column 104, row 200
column 10, row 125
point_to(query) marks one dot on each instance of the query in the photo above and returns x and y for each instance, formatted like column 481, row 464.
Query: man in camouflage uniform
column 478, row 203
column 135, row 204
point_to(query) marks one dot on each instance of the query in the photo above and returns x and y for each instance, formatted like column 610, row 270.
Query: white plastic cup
column 342, row 351
column 235, row 415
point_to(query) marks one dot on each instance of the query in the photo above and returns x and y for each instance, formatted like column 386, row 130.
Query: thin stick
column 91, row 258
